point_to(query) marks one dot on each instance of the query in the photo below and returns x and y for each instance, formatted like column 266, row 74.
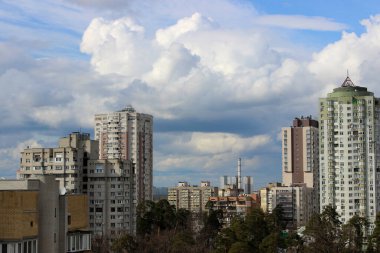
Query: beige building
column 36, row 217
column 300, row 153
column 111, row 191
column 192, row 198
column 109, row 183
column 294, row 200
column 68, row 161
column 265, row 196
column 128, row 135
column 237, row 206
column 300, row 162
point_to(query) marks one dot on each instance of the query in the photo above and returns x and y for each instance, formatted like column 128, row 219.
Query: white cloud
column 300, row 22
column 208, row 67
column 118, row 46
column 207, row 152
column 215, row 143
column 10, row 156
column 191, row 65
column 174, row 63
column 165, row 37
column 357, row 53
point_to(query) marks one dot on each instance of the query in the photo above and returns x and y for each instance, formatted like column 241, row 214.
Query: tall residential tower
column 349, row 154
column 128, row 135
column 300, row 153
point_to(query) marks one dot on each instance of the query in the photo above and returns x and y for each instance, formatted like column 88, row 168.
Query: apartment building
column 68, row 161
column 35, row 216
column 128, row 135
column 349, row 157
column 294, row 200
column 192, row 198
column 236, row 206
column 300, row 159
column 111, row 191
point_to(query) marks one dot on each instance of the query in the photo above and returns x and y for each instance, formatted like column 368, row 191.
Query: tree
column 125, row 243
column 276, row 219
column 183, row 219
column 240, row 247
column 182, row 242
column 354, row 233
column 375, row 237
column 100, row 244
column 294, row 243
column 270, row 243
column 257, row 227
column 324, row 232
column 224, row 240
column 153, row 216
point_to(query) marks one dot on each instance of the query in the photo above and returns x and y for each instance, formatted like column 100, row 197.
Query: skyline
column 221, row 78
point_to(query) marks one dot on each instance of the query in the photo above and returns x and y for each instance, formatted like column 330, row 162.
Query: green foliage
column 211, row 227
column 182, row 242
column 271, row 243
column 125, row 243
column 324, row 232
column 252, row 232
column 374, row 240
column 240, row 247
column 153, row 216
column 354, row 233
column 276, row 220
column 161, row 229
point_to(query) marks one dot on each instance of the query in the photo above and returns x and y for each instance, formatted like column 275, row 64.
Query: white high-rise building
column 128, row 135
column 349, row 154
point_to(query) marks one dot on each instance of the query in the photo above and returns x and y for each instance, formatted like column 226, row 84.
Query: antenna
column 239, row 174
column 348, row 73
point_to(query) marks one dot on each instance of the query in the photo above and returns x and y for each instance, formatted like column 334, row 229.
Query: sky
column 220, row 77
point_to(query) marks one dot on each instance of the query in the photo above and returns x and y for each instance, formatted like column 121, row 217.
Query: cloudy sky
column 220, row 77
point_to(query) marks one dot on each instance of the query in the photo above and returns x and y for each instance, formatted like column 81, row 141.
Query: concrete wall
column 18, row 214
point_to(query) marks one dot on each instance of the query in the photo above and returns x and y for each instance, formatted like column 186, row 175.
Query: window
column 99, row 168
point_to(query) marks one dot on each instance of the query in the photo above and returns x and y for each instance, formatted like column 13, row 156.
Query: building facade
column 128, row 135
column 265, row 196
column 349, row 154
column 68, row 161
column 111, row 191
column 35, row 216
column 294, row 200
column 247, row 184
column 192, row 198
column 237, row 206
column 300, row 158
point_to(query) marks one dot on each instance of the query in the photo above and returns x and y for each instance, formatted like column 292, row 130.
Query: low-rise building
column 296, row 202
column 237, row 206
column 35, row 216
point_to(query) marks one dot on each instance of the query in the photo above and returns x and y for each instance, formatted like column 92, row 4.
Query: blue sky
column 220, row 77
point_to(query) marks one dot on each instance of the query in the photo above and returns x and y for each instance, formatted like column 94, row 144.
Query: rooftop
column 348, row 83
